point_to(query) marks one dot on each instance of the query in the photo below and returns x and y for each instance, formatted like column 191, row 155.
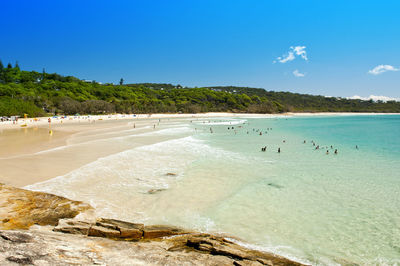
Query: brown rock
column 219, row 246
column 131, row 234
column 122, row 224
column 100, row 231
column 159, row 231
column 20, row 208
column 107, row 225
column 128, row 231
column 72, row 227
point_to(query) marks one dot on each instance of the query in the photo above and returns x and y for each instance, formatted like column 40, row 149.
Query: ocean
column 308, row 204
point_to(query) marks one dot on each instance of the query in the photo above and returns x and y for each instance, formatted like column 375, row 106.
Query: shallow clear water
column 302, row 203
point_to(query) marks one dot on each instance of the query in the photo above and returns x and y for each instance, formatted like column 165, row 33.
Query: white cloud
column 374, row 98
column 291, row 55
column 297, row 74
column 300, row 50
column 381, row 69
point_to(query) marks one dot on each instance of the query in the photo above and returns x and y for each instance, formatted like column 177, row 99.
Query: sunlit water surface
column 302, row 203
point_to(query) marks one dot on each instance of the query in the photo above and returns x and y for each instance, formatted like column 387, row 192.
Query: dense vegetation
column 35, row 93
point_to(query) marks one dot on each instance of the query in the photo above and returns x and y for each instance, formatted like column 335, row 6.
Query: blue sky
column 212, row 42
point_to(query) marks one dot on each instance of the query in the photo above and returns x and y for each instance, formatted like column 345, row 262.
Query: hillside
column 38, row 94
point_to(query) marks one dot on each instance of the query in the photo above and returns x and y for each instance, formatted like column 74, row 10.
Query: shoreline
column 33, row 149
column 63, row 120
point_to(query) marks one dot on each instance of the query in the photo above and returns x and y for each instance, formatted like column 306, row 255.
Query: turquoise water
column 311, row 206
column 340, row 208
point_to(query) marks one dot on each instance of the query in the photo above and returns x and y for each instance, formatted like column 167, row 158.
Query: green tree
column 1, row 72
column 121, row 81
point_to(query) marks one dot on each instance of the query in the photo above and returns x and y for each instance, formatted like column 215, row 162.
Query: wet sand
column 30, row 154
column 33, row 151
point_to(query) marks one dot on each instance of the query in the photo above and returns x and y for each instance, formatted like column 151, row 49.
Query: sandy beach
column 33, row 150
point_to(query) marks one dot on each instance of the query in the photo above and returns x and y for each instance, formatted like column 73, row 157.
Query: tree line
column 40, row 93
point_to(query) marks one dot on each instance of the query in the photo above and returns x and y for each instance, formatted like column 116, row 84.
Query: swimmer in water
column 264, row 148
column 279, row 150
column 327, row 152
column 335, row 151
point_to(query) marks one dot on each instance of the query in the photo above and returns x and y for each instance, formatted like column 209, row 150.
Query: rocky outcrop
column 220, row 246
column 20, row 208
column 64, row 239
column 177, row 240
column 40, row 246
column 117, row 230
column 44, row 247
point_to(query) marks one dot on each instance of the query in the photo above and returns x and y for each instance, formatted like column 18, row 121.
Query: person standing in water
column 335, row 151
column 279, row 150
